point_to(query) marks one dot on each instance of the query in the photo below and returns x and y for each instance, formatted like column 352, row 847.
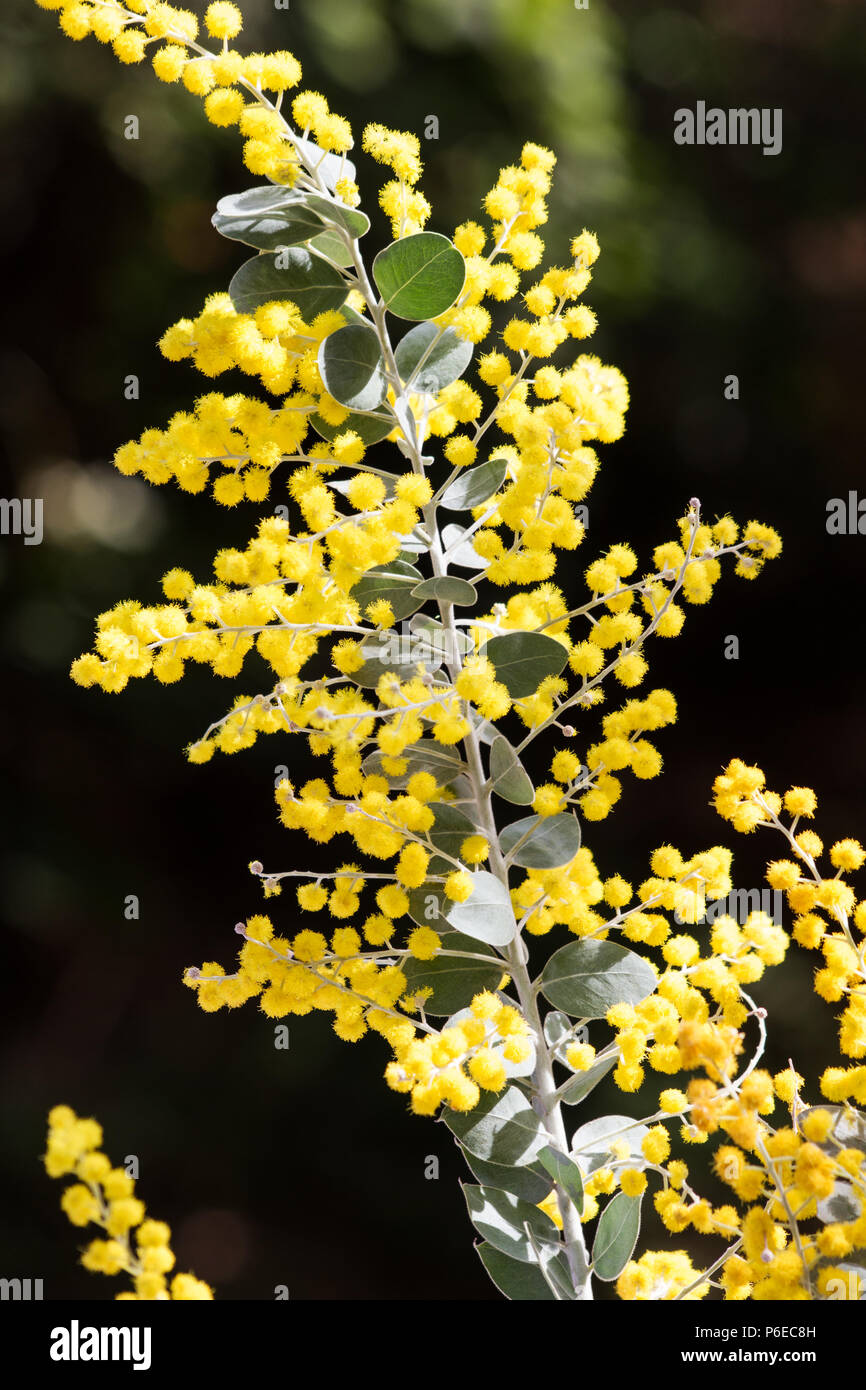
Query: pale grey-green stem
column 543, row 1081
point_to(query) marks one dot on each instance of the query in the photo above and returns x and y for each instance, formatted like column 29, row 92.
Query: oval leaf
column 524, row 1282
column 475, row 485
column 542, row 842
column 565, row 1173
column 508, row 777
column 530, row 1184
column 616, row 1236
column 424, row 756
column 502, row 1218
column 393, row 582
column 558, row 1033
column 447, row 588
column 450, row 828
column 453, row 644
column 848, row 1130
column 592, row 1144
column 420, row 276
column 263, row 198
column 843, row 1204
column 488, row 914
column 417, row 541
column 584, row 1082
column 427, row 907
column 329, row 243
column 352, row 316
column 454, row 980
column 503, row 1128
column 369, row 428
column 442, row 354
column 266, row 217
column 524, row 659
column 464, row 555
column 350, row 362
column 397, row 656
column 355, row 222
column 295, row 274
column 586, row 978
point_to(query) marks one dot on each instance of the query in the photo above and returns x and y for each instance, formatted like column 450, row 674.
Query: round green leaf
column 525, row 1283
column 263, row 198
column 294, row 274
column 464, row 555
column 450, row 828
column 475, row 485
column 584, row 1082
column 566, row 1173
column 524, row 659
column 450, row 642
column 369, row 428
column 616, row 1236
column 454, row 980
column 503, row 1128
column 266, row 217
column 542, row 842
column 427, row 907
column 488, row 914
column 843, row 1204
column 441, row 759
column 447, row 588
column 530, row 1184
column 508, row 777
column 420, row 276
column 329, row 243
column 592, row 1144
column 351, row 366
column 397, row 656
column 502, row 1218
column 355, row 222
column 352, row 316
column 393, row 582
column 558, row 1033
column 444, row 355
column 586, row 978
column 417, row 541
column 848, row 1130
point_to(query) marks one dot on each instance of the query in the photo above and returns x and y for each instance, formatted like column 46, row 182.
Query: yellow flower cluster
column 105, row 1196
column 363, row 989
column 233, row 85
column 827, row 912
column 661, row 1275
column 399, row 199
column 274, row 344
column 781, row 1175
column 454, row 1066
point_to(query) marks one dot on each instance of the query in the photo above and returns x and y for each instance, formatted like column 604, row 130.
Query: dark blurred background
column 299, row 1167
